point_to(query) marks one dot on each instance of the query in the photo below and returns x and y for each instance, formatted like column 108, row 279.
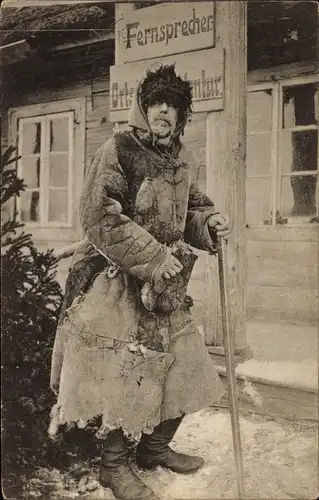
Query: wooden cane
column 230, row 358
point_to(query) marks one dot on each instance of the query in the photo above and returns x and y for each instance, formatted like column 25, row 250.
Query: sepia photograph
column 159, row 249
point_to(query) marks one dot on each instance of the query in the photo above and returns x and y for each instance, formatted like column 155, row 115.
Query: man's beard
column 164, row 132
column 163, row 135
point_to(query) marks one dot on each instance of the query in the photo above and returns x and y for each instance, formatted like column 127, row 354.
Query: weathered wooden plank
column 226, row 145
column 101, row 83
column 49, row 94
column 99, row 114
column 275, row 273
column 267, row 399
column 98, row 106
column 298, row 253
column 283, row 233
column 255, row 313
column 49, row 91
column 96, row 136
column 98, row 127
column 292, row 70
column 271, row 303
column 93, row 125
column 99, row 119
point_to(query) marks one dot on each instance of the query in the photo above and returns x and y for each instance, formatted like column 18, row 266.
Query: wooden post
column 226, row 154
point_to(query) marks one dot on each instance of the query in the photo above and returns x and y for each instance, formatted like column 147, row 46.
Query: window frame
column 273, row 143
column 44, row 187
column 301, row 220
column 277, row 121
column 71, row 229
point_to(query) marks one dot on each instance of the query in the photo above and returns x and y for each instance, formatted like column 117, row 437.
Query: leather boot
column 116, row 473
column 153, row 450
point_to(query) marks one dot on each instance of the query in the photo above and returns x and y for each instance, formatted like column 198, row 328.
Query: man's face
column 162, row 120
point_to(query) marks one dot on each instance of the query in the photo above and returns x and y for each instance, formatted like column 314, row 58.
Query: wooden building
column 55, row 108
column 55, row 104
column 282, row 188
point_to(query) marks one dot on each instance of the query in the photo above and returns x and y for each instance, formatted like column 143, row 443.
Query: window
column 46, row 148
column 282, row 153
column 50, row 138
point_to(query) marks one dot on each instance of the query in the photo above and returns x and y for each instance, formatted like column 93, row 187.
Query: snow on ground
column 280, row 462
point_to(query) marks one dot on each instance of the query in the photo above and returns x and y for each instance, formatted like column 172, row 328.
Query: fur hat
column 163, row 85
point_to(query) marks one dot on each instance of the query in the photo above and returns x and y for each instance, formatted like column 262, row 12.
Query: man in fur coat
column 127, row 349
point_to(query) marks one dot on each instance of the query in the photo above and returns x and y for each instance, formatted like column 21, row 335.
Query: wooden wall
column 283, row 274
column 282, row 261
column 97, row 129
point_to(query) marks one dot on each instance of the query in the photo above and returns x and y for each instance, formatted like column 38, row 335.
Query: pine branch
column 30, row 304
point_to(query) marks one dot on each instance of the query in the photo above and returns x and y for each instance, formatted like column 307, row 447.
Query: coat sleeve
column 114, row 234
column 200, row 209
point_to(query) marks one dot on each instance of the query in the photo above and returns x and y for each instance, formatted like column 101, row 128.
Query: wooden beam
column 275, row 73
column 16, row 52
column 226, row 143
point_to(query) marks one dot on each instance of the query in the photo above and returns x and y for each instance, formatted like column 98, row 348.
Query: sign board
column 204, row 70
column 165, row 29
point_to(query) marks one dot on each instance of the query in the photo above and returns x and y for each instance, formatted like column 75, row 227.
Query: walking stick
column 230, row 358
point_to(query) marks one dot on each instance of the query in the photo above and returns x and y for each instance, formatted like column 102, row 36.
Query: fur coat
column 126, row 350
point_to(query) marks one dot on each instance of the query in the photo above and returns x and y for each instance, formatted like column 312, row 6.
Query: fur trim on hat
column 163, row 85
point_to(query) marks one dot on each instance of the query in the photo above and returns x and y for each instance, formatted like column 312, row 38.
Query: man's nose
column 163, row 107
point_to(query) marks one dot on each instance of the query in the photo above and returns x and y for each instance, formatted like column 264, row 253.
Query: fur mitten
column 169, row 295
